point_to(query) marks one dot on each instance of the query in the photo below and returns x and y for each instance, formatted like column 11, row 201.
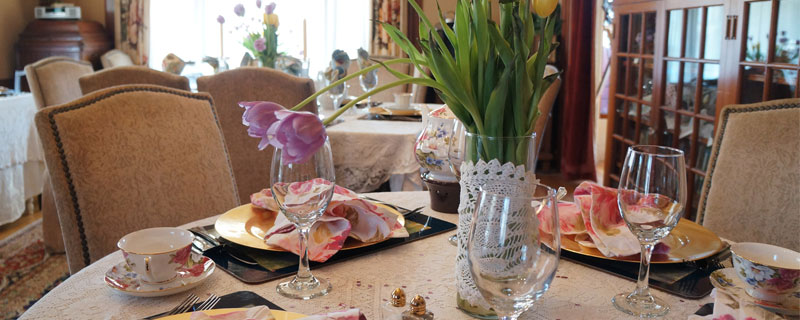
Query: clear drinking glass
column 455, row 156
column 512, row 256
column 303, row 211
column 368, row 82
column 651, row 199
column 337, row 93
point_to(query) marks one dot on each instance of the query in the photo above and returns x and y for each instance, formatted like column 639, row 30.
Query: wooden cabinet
column 676, row 63
column 82, row 40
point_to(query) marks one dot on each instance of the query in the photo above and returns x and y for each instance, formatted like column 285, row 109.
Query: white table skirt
column 424, row 267
column 21, row 158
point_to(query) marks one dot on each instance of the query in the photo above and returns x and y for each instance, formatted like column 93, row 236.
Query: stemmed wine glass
column 337, row 93
column 303, row 210
column 511, row 257
column 455, row 156
column 651, row 198
column 368, row 82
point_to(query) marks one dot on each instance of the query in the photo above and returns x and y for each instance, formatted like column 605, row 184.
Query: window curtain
column 577, row 156
column 131, row 29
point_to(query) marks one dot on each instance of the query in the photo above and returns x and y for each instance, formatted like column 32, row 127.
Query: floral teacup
column 770, row 272
column 157, row 254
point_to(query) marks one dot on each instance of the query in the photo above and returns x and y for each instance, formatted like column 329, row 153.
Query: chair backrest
column 546, row 105
column 133, row 157
column 115, row 58
column 384, row 77
column 250, row 165
column 751, row 188
column 54, row 80
column 107, row 78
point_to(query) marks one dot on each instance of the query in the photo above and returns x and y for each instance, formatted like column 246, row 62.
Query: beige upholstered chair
column 751, row 189
column 133, row 157
column 546, row 105
column 54, row 81
column 384, row 77
column 131, row 75
column 250, row 165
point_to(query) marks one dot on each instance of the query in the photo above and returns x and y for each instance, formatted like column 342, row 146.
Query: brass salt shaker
column 393, row 310
column 417, row 310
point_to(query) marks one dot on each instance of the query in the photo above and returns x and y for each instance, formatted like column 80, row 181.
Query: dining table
column 425, row 267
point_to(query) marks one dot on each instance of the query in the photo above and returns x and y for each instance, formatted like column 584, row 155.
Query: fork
column 208, row 304
column 183, row 306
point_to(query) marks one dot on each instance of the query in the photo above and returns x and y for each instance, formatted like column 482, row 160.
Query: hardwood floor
column 9, row 229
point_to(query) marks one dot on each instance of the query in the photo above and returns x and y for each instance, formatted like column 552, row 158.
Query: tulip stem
column 351, row 76
column 427, row 82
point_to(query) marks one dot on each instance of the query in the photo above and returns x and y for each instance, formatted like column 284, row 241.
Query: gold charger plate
column 687, row 242
column 279, row 315
column 394, row 112
column 247, row 225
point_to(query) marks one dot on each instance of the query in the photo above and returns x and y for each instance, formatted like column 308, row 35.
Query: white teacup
column 156, row 254
column 402, row 101
column 770, row 272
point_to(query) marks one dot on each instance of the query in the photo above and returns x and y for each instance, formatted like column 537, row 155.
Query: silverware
column 184, row 306
column 212, row 240
column 208, row 304
column 404, row 211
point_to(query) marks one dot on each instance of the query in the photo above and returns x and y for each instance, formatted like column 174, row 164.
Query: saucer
column 122, row 279
column 727, row 281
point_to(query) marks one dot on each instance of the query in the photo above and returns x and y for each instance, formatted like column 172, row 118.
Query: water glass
column 368, row 82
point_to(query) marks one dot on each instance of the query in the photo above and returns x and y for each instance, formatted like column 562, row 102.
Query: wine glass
column 651, row 197
column 303, row 209
column 455, row 156
column 368, row 82
column 337, row 93
column 511, row 256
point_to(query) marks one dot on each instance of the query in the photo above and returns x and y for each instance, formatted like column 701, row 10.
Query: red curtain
column 577, row 157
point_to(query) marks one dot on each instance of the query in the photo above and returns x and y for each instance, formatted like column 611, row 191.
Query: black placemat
column 695, row 284
column 256, row 274
column 238, row 299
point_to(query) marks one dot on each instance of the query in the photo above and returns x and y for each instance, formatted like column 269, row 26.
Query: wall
column 16, row 14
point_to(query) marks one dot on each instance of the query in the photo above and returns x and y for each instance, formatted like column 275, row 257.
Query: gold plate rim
column 232, row 225
column 394, row 112
column 278, row 314
column 692, row 231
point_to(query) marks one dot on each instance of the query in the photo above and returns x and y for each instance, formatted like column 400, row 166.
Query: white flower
column 757, row 273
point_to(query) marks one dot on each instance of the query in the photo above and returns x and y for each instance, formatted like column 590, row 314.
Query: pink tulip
column 221, row 19
column 270, row 8
column 260, row 44
column 258, row 3
column 259, row 116
column 239, row 10
column 298, row 134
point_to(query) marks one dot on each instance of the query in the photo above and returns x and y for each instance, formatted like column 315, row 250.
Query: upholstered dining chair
column 546, row 105
column 131, row 75
column 52, row 81
column 133, row 157
column 750, row 192
column 250, row 165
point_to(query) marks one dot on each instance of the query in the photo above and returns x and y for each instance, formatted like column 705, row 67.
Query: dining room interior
column 399, row 159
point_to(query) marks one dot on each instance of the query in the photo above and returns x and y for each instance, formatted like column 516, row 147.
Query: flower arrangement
column 263, row 42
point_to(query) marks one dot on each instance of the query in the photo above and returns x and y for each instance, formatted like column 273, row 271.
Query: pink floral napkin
column 594, row 221
column 728, row 307
column 263, row 313
column 347, row 216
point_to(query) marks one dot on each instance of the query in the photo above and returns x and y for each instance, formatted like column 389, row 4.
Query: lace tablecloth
column 366, row 153
column 21, row 158
column 424, row 267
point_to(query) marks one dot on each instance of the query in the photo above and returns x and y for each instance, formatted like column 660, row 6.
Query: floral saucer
column 121, row 278
column 727, row 280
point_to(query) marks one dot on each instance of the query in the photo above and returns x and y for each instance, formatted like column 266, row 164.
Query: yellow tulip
column 544, row 8
column 271, row 19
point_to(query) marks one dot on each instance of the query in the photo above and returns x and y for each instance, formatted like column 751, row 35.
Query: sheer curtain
column 189, row 29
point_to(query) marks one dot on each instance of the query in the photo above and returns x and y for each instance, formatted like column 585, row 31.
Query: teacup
column 402, row 101
column 156, row 254
column 770, row 272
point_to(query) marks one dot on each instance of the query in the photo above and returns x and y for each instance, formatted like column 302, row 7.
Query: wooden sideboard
column 82, row 40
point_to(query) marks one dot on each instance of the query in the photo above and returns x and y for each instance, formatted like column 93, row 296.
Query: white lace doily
column 502, row 179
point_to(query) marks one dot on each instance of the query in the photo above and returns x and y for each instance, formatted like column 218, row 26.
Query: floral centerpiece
column 262, row 42
column 492, row 82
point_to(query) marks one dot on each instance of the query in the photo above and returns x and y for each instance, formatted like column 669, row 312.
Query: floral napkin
column 594, row 221
column 728, row 307
column 347, row 216
column 263, row 313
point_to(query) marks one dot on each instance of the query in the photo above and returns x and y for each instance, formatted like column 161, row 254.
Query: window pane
column 787, row 46
column 705, row 137
column 623, row 33
column 621, row 61
column 668, row 125
column 693, row 33
column 709, row 98
column 649, row 32
column 690, row 70
column 618, row 124
column 633, row 81
column 620, row 104
column 674, row 33
column 758, row 19
column 783, row 84
column 646, row 135
column 647, row 80
column 636, row 33
column 752, row 84
column 646, row 114
column 671, row 89
column 714, row 30
column 630, row 131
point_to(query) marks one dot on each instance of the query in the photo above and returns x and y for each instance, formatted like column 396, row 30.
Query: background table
column 424, row 267
column 21, row 158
